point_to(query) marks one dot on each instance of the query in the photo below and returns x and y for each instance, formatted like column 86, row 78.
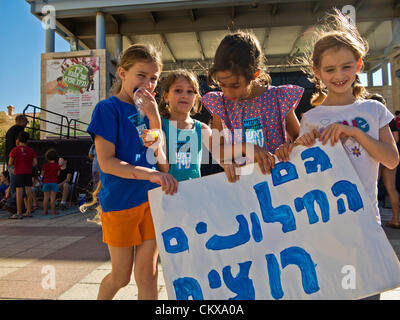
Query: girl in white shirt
column 341, row 113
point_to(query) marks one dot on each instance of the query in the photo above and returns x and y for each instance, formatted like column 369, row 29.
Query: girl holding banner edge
column 342, row 113
column 256, row 114
column 126, row 175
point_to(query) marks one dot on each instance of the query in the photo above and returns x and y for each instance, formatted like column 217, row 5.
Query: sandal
column 27, row 215
column 392, row 225
column 16, row 216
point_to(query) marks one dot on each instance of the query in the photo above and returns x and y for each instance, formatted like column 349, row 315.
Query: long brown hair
column 337, row 32
column 131, row 55
column 85, row 206
column 166, row 84
column 240, row 53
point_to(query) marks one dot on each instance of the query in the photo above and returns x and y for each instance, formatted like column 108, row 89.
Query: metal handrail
column 68, row 124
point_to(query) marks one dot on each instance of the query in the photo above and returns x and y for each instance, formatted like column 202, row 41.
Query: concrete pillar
column 370, row 79
column 118, row 45
column 395, row 68
column 395, row 32
column 100, row 31
column 49, row 42
column 385, row 73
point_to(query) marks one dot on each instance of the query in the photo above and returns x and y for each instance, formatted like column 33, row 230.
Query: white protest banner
column 306, row 231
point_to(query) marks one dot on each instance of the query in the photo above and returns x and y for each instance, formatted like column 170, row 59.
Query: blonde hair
column 166, row 84
column 130, row 56
column 337, row 32
column 85, row 206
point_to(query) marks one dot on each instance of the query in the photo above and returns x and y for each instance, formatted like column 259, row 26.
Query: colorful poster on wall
column 72, row 90
column 306, row 231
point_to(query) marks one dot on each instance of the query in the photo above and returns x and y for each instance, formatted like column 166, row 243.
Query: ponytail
column 359, row 90
column 116, row 85
column 318, row 97
column 83, row 208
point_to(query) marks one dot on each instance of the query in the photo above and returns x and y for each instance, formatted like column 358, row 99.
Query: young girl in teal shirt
column 184, row 135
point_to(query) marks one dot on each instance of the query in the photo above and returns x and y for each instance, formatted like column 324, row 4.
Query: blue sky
column 22, row 41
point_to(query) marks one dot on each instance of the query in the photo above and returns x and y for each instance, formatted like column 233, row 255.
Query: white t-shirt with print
column 369, row 116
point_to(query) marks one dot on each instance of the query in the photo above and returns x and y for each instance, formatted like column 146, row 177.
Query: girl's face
column 181, row 96
column 141, row 74
column 338, row 70
column 233, row 86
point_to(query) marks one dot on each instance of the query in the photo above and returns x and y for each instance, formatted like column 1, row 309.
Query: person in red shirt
column 50, row 172
column 23, row 158
column 397, row 119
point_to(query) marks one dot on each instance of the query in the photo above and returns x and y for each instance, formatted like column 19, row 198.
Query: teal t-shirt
column 121, row 124
column 184, row 150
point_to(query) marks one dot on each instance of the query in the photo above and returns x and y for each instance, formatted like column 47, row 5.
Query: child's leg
column 65, row 192
column 120, row 275
column 34, row 200
column 53, row 202
column 389, row 180
column 29, row 200
column 146, row 270
column 20, row 199
column 46, row 195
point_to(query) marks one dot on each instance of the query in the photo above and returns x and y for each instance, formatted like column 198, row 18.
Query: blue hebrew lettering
column 201, row 227
column 308, row 201
column 320, row 158
column 256, row 227
column 300, row 258
column 362, row 124
column 227, row 242
column 350, row 190
column 241, row 284
column 276, row 173
column 181, row 240
column 274, row 276
column 282, row 214
column 214, row 280
column 187, row 287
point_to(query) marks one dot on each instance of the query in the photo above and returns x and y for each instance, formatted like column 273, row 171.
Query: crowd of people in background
column 26, row 187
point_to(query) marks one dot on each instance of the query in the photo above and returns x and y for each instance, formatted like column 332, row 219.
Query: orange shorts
column 128, row 228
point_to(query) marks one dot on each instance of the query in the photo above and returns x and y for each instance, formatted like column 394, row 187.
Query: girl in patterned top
column 249, row 110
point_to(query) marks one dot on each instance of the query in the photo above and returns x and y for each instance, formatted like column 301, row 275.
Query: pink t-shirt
column 260, row 120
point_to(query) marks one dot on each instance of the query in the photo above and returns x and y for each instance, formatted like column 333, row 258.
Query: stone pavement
column 33, row 250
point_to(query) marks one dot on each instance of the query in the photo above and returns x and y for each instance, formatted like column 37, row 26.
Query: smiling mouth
column 340, row 83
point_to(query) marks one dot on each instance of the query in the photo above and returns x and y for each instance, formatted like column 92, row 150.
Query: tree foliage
column 34, row 130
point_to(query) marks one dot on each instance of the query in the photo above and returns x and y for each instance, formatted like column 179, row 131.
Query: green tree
column 2, row 144
column 34, row 130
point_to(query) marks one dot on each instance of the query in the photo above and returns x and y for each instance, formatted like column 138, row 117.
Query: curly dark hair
column 51, row 155
column 240, row 52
